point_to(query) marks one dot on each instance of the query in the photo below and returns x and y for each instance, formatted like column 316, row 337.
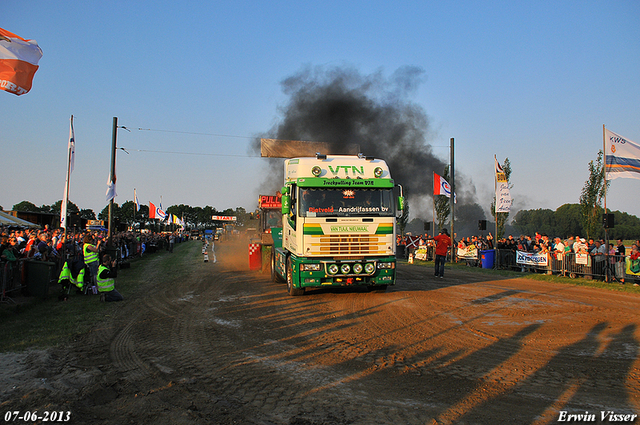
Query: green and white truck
column 338, row 224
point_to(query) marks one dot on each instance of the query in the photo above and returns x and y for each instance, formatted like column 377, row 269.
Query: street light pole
column 113, row 175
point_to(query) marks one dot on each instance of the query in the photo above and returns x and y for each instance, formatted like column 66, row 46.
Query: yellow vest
column 89, row 256
column 105, row 285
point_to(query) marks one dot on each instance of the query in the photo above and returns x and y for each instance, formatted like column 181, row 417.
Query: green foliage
column 88, row 214
column 57, row 207
column 116, row 214
column 592, row 196
column 567, row 221
column 25, row 206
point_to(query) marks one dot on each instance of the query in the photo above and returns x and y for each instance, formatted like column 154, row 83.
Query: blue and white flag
column 622, row 157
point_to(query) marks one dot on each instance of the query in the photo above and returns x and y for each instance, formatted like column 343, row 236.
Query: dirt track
column 224, row 345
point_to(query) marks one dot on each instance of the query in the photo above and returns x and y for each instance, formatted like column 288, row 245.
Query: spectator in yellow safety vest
column 107, row 274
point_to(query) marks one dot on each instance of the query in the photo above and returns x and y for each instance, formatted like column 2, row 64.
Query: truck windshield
column 345, row 202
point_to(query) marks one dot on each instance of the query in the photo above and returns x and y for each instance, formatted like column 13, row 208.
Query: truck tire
column 294, row 292
column 275, row 277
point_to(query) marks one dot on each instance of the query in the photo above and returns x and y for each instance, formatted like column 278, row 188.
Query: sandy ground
column 225, row 345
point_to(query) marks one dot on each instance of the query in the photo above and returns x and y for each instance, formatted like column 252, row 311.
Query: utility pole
column 113, row 176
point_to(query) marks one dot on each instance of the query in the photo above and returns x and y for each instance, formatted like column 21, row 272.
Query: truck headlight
column 310, row 267
column 369, row 268
column 345, row 268
column 332, row 269
column 387, row 265
column 357, row 268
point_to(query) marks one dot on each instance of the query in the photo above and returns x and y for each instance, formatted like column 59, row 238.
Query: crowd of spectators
column 19, row 245
column 557, row 249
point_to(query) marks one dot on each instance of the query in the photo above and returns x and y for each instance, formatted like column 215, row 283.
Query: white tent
column 9, row 220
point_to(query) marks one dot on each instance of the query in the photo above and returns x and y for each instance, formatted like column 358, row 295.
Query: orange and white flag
column 18, row 62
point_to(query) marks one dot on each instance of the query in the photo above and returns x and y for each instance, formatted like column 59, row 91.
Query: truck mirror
column 400, row 203
column 286, row 204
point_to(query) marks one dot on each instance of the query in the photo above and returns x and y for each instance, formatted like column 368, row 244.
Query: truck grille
column 348, row 245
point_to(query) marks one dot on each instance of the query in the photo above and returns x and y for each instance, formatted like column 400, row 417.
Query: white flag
column 622, row 157
column 111, row 189
column 503, row 197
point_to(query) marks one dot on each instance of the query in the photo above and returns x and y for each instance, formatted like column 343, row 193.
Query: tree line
column 568, row 220
column 194, row 217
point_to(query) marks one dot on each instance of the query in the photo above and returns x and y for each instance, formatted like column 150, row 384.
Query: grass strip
column 40, row 323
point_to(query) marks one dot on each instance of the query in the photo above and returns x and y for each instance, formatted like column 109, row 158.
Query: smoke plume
column 340, row 106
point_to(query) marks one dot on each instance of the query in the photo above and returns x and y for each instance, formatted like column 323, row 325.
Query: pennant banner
column 18, row 62
column 622, row 157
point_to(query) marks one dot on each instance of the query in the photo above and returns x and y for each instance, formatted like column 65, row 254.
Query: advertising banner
column 632, row 266
column 532, row 259
column 468, row 253
column 421, row 253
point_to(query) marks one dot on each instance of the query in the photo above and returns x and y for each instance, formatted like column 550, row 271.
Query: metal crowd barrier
column 10, row 279
column 606, row 267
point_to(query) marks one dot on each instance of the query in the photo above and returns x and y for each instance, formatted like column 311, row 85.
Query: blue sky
column 531, row 81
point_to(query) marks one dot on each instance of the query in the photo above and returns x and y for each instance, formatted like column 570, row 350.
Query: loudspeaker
column 74, row 220
column 427, row 226
column 482, row 224
column 607, row 221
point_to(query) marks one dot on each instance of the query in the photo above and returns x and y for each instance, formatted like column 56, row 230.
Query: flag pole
column 604, row 172
column 495, row 194
column 453, row 197
column 65, row 202
column 604, row 165
column 433, row 231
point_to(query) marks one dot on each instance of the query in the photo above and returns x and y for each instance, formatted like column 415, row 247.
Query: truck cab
column 338, row 223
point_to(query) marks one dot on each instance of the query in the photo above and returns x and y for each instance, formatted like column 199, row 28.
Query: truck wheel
column 292, row 291
column 275, row 277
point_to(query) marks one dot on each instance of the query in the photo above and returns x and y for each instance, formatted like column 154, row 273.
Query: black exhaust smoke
column 340, row 107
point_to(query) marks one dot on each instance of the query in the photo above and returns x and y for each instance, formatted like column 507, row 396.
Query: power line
column 191, row 153
column 195, row 133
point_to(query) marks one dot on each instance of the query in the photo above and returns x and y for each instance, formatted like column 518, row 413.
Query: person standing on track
column 443, row 242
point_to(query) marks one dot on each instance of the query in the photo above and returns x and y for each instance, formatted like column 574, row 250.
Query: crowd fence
column 15, row 276
column 606, row 267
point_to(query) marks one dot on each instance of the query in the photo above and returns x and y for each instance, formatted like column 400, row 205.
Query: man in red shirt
column 443, row 242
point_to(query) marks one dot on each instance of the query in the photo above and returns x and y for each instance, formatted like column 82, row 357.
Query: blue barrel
column 488, row 257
